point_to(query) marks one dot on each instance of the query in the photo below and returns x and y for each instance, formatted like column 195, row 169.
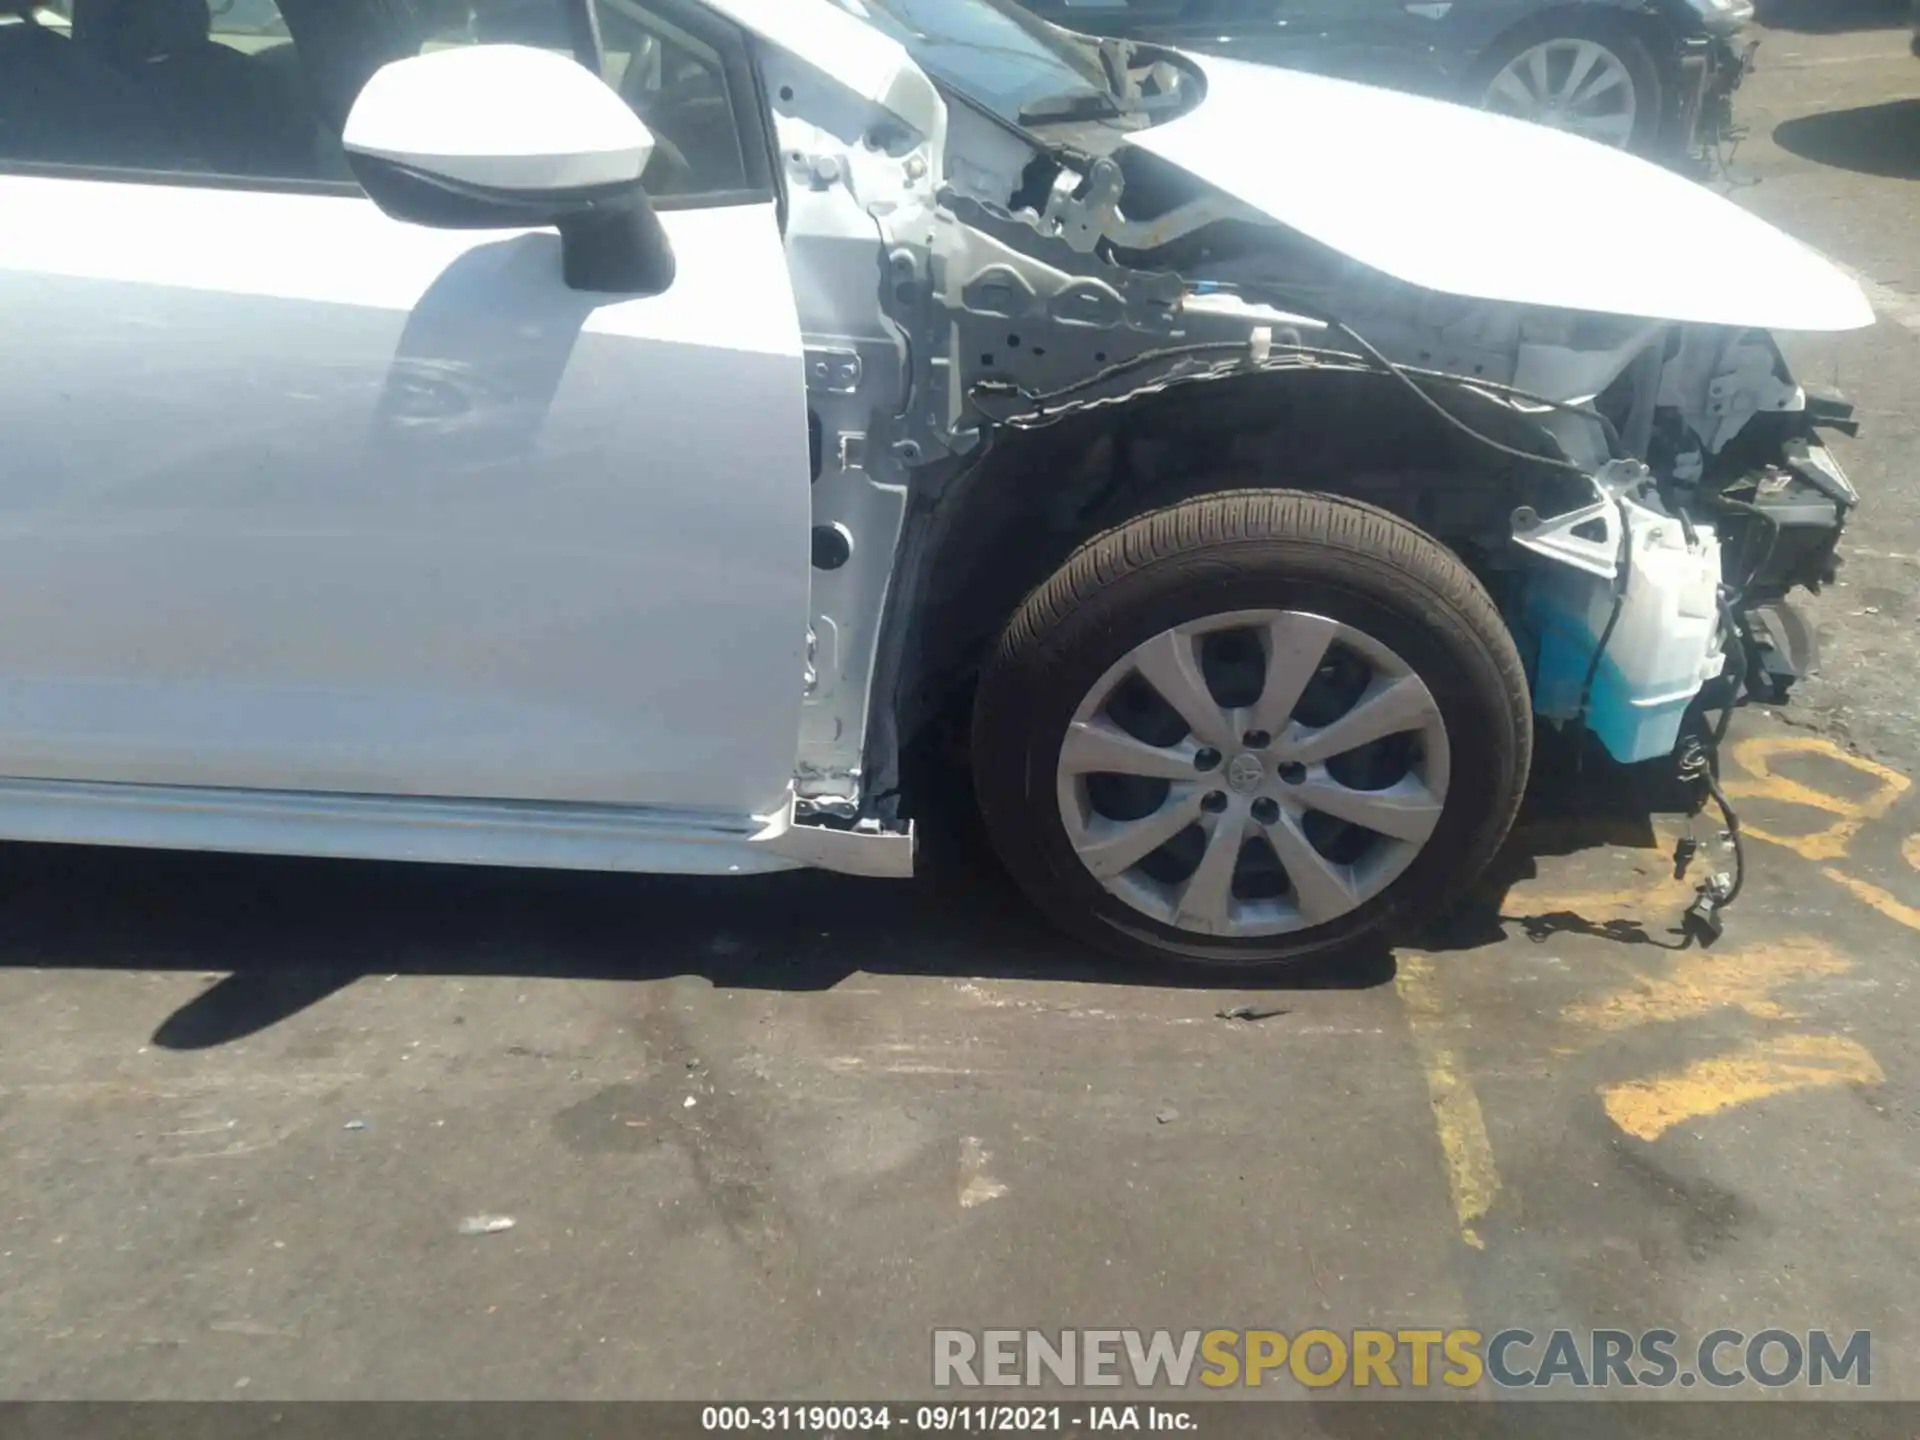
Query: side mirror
column 495, row 136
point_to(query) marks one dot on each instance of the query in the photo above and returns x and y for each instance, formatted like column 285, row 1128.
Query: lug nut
column 1265, row 811
column 1214, row 801
column 1293, row 772
column 1206, row 758
column 1256, row 739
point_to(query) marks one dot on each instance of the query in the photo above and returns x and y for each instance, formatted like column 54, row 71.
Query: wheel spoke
column 1510, row 87
column 1296, row 645
column 1399, row 705
column 1170, row 663
column 1321, row 889
column 1585, row 56
column 1111, row 847
column 1538, row 79
column 1406, row 811
column 1099, row 747
column 1206, row 900
column 1611, row 78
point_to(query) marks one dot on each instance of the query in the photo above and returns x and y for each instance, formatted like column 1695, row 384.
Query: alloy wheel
column 1572, row 84
column 1253, row 773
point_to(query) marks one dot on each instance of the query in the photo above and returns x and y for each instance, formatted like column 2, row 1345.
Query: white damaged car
column 417, row 444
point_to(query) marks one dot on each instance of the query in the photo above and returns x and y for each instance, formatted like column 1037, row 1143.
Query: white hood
column 1469, row 203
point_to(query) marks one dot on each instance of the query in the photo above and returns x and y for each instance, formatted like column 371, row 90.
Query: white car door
column 298, row 497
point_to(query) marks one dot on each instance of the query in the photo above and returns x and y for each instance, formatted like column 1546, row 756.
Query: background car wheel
column 1251, row 728
column 1584, row 73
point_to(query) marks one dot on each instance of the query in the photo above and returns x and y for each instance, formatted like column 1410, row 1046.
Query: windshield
column 1015, row 65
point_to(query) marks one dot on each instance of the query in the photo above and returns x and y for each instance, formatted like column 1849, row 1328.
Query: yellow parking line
column 1701, row 981
column 1472, row 1176
column 1756, row 757
column 1870, row 894
column 1648, row 1109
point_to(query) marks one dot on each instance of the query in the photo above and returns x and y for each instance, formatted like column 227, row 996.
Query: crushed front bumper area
column 1668, row 595
column 1669, row 605
column 1802, row 505
column 1710, row 72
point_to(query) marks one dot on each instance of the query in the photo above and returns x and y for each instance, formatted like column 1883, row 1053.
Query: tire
column 1618, row 38
column 1318, row 559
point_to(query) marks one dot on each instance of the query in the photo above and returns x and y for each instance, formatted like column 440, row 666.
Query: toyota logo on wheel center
column 1245, row 773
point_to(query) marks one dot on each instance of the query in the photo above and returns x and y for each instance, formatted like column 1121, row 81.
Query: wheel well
column 1009, row 521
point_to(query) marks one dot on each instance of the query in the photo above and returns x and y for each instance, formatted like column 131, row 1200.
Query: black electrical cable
column 1432, row 404
column 1613, row 620
column 1727, row 715
column 1041, row 399
column 1686, row 526
column 1378, row 361
column 1733, row 837
column 1699, row 764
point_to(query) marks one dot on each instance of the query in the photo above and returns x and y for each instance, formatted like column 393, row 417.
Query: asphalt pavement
column 263, row 1121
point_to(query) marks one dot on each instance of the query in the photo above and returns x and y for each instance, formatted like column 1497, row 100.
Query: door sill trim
column 532, row 834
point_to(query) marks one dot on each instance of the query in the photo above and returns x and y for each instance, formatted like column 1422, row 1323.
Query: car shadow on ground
column 287, row 933
column 1577, row 802
column 1881, row 139
column 1832, row 17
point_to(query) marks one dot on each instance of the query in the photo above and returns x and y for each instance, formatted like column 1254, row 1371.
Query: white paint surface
column 442, row 114
column 296, row 497
column 1894, row 305
column 855, row 54
column 1470, row 203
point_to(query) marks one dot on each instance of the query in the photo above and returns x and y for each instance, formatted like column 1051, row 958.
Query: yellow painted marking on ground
column 1870, row 894
column 1648, row 1109
column 1472, row 1176
column 1756, row 757
column 1702, row 981
column 1910, row 852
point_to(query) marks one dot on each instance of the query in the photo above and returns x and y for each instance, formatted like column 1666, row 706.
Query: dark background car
column 1656, row 76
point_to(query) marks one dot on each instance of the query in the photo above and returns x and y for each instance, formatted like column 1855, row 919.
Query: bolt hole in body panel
column 832, row 546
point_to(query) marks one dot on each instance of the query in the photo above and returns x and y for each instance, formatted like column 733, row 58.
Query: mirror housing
column 497, row 136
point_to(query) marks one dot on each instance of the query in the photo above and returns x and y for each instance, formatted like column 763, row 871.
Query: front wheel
column 1252, row 728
